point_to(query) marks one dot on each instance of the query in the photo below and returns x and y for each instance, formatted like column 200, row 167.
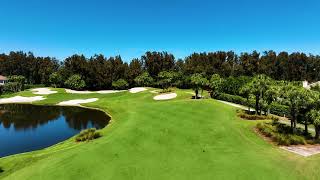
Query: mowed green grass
column 175, row 139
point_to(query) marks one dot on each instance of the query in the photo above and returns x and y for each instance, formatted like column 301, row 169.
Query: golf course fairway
column 176, row 139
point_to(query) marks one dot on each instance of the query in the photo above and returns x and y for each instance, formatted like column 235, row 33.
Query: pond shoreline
column 90, row 125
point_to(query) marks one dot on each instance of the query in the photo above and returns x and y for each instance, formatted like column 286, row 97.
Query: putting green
column 175, row 139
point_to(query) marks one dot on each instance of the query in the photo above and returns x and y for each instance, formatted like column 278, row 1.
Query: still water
column 25, row 127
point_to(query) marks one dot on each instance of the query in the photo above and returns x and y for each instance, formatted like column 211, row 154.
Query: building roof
column 3, row 78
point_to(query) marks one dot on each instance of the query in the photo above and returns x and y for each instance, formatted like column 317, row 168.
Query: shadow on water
column 25, row 127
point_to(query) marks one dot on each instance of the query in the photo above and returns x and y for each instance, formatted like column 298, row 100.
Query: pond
column 25, row 127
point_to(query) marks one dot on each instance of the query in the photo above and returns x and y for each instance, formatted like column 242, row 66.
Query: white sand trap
column 78, row 92
column 137, row 89
column 77, row 102
column 43, row 91
column 155, row 91
column 109, row 91
column 21, row 99
column 90, row 92
column 303, row 150
column 192, row 93
column 165, row 96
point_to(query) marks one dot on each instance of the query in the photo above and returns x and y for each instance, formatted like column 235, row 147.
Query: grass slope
column 175, row 139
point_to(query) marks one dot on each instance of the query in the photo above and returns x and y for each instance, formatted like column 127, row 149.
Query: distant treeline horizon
column 99, row 71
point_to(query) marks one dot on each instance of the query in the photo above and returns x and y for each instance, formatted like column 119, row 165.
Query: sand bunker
column 77, row 102
column 303, row 150
column 109, row 91
column 137, row 89
column 165, row 96
column 155, row 91
column 43, row 91
column 78, row 92
column 90, row 92
column 21, row 99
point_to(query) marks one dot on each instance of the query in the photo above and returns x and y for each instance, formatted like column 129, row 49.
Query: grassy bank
column 175, row 139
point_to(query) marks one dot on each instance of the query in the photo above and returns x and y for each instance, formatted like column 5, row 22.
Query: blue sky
column 61, row 28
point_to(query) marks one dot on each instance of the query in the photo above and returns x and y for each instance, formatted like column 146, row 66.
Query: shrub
column 87, row 135
column 120, row 84
column 281, row 134
column 19, row 81
column 253, row 117
column 280, row 110
column 32, row 86
column 75, row 82
column 1, row 90
column 231, row 98
column 275, row 108
column 166, row 90
column 1, row 170
column 11, row 87
column 265, row 129
column 144, row 79
column 55, row 79
column 166, row 79
column 296, row 140
column 281, row 139
column 233, row 85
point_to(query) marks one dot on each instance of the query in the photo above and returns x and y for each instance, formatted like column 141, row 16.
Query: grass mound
column 87, row 135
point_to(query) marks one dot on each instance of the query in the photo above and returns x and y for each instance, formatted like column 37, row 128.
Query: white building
column 308, row 86
column 3, row 80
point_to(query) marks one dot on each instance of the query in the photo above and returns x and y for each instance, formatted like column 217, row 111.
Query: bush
column 231, row 98
column 11, row 87
column 144, row 79
column 280, row 110
column 120, row 84
column 265, row 129
column 75, row 82
column 166, row 90
column 19, row 81
column 55, row 79
column 275, row 108
column 282, row 139
column 253, row 117
column 32, row 86
column 87, row 135
column 296, row 140
column 281, row 134
column 1, row 90
column 166, row 79
column 1, row 170
column 233, row 85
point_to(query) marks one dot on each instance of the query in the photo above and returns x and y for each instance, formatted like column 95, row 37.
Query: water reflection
column 23, row 117
column 30, row 127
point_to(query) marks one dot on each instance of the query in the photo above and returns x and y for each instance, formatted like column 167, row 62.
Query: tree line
column 100, row 72
column 269, row 82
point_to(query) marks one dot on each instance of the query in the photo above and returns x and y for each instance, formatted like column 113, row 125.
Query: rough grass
column 176, row 139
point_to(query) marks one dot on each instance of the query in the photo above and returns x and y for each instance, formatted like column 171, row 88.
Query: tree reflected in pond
column 79, row 119
column 25, row 116
column 26, row 127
